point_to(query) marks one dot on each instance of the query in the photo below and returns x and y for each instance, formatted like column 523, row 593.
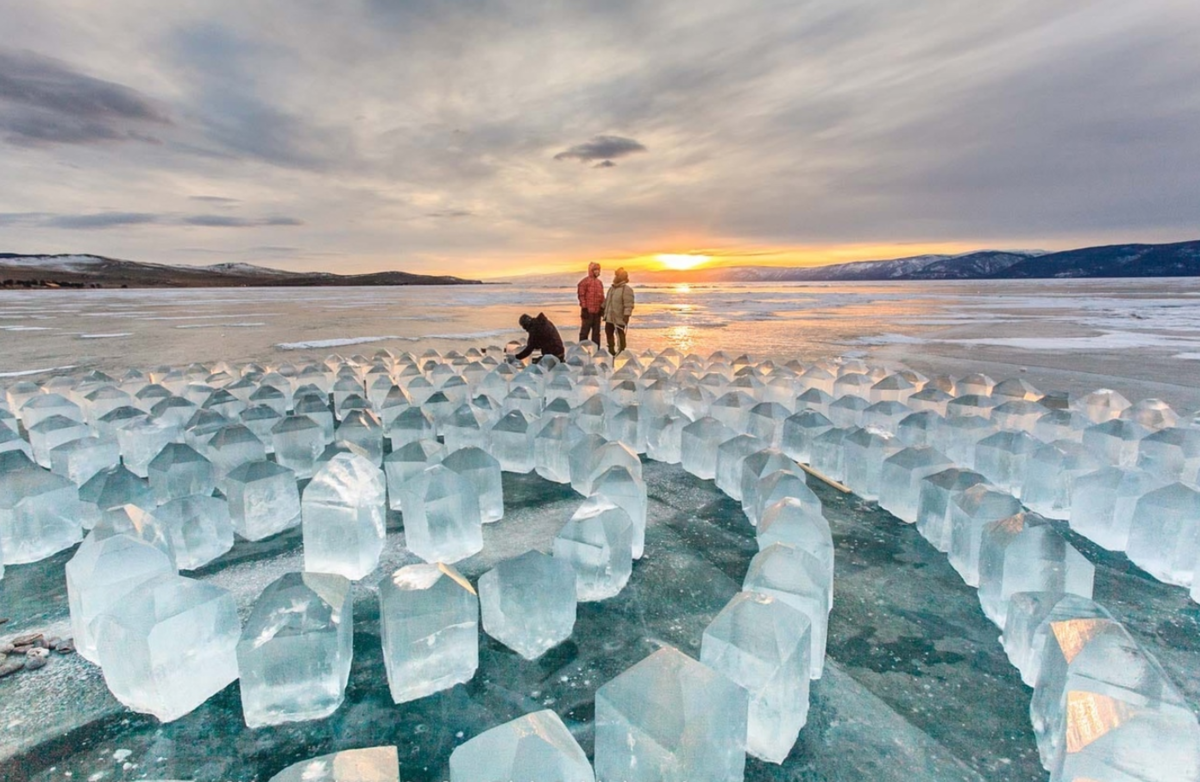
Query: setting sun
column 681, row 262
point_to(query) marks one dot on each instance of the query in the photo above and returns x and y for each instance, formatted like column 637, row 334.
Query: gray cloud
column 45, row 101
column 603, row 148
column 227, row 221
column 101, row 220
column 215, row 200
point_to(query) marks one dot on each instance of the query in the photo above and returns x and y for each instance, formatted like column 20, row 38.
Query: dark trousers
column 611, row 330
column 589, row 327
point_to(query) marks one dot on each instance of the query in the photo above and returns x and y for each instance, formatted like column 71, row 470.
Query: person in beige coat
column 618, row 306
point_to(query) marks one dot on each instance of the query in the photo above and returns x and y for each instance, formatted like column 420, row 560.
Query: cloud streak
column 603, row 149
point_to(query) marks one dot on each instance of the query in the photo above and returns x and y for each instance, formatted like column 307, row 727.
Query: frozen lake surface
column 916, row 685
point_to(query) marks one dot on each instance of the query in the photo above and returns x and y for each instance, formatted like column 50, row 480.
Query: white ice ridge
column 347, row 341
column 114, row 335
column 31, row 372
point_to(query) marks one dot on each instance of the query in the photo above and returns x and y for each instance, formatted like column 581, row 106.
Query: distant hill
column 1181, row 259
column 95, row 271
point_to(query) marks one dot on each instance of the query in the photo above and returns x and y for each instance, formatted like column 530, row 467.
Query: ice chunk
column 1164, row 533
column 919, row 430
column 52, row 432
column 1115, row 441
column 512, row 442
column 198, row 527
column 552, row 445
column 534, row 748
column 169, row 646
column 344, row 522
column 597, row 542
column 111, row 489
column 317, row 409
column 757, row 466
column 763, row 644
column 174, row 410
column 1099, row 406
column 429, row 623
column 976, row 383
column 297, row 442
column 1017, row 415
column 400, row 466
column 885, row 416
column 670, row 719
column 411, row 425
column 1051, row 474
column 699, row 442
column 1024, row 554
column 619, row 486
column 1173, row 453
column 798, row 524
column 934, row 500
column 1104, row 707
column 11, row 441
column 263, row 499
column 847, row 411
column 1003, row 458
column 39, row 512
column 528, row 603
column 765, row 422
column 957, row 437
column 179, row 471
column 893, row 388
column 827, row 454
column 80, row 460
column 1104, row 502
column 799, row 431
column 901, row 478
column 865, row 452
column 801, row 580
column 664, row 435
column 969, row 513
column 929, row 399
column 441, row 515
column 463, row 429
column 362, row 428
column 261, row 420
column 231, row 447
column 482, row 471
column 102, row 572
column 43, row 406
column 1030, row 616
column 295, row 650
column 730, row 456
column 374, row 764
column 773, row 487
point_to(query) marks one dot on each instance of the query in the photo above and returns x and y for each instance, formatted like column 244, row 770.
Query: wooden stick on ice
column 825, row 478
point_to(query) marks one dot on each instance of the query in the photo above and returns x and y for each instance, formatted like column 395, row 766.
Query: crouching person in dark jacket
column 543, row 336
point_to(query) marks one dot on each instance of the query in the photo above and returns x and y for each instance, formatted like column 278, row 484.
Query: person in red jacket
column 591, row 304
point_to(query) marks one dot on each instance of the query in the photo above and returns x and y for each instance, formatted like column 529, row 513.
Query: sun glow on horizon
column 681, row 262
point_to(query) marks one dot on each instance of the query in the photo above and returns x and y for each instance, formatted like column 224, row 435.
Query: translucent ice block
column 552, row 444
column 441, row 515
column 1173, row 453
column 763, row 644
column 969, row 513
column 1003, row 458
column 664, row 437
column 296, row 648
column 901, row 477
column 51, row 432
column 528, row 603
column 482, row 471
column 263, row 499
column 788, row 482
column 937, row 495
column 617, row 485
column 80, row 460
column 1115, row 441
column 169, row 646
column 512, row 442
column 40, row 512
column 919, row 430
column 344, row 517
column 1104, row 501
column 179, row 471
column 1024, row 554
column 798, row 432
column 699, row 442
column 373, row 764
column 363, row 428
column 957, row 437
column 102, row 572
column 233, row 446
column 297, row 441
column 597, row 542
column 429, row 623
column 797, row 524
column 670, row 719
column 827, row 455
column 1164, row 534
column 199, row 529
column 1030, row 618
column 756, row 466
column 800, row 580
column 533, row 748
column 730, row 455
column 1051, row 474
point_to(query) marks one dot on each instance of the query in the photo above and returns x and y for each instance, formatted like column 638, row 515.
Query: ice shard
column 263, row 499
column 296, row 648
column 344, row 517
column 670, row 718
column 534, row 748
column 528, row 603
column 429, row 623
column 101, row 573
column 441, row 515
column 1023, row 553
column 597, row 542
column 763, row 644
column 169, row 646
column 800, row 580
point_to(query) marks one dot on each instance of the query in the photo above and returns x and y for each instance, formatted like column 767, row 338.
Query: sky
column 500, row 137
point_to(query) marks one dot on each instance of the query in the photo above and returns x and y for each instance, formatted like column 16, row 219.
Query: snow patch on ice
column 114, row 335
column 26, row 372
column 332, row 343
column 220, row 325
column 1112, row 340
column 27, row 328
